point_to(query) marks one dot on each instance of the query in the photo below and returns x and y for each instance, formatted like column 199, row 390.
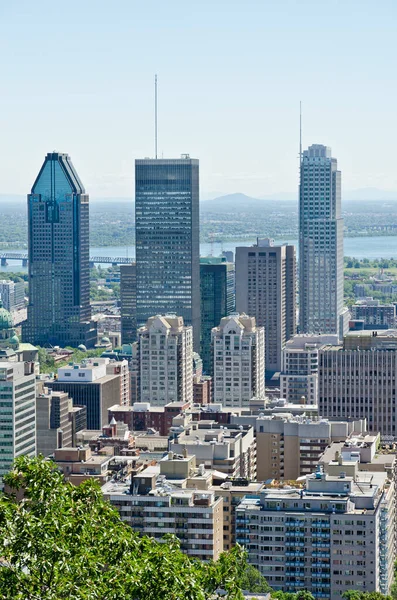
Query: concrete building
column 335, row 534
column 217, row 301
column 165, row 361
column 374, row 314
column 12, row 294
column 80, row 464
column 167, row 240
column 230, row 449
column 321, row 307
column 89, row 385
column 299, row 375
column 141, row 416
column 59, row 311
column 128, row 303
column 358, row 379
column 266, row 290
column 289, row 447
column 238, row 347
column 17, row 414
column 53, row 422
column 120, row 368
column 158, row 501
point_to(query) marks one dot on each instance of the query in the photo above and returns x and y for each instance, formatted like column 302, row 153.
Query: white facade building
column 299, row 375
column 17, row 413
column 165, row 361
column 239, row 360
column 321, row 244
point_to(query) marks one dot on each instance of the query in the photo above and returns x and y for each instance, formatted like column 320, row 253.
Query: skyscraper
column 167, row 240
column 266, row 290
column 165, row 361
column 217, row 300
column 320, row 244
column 238, row 347
column 128, row 303
column 58, row 234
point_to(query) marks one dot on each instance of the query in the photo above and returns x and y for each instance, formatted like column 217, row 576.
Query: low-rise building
column 374, row 314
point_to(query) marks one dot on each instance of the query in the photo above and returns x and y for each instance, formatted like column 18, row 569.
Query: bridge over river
column 5, row 257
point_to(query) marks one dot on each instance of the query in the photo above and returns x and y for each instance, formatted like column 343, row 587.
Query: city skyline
column 243, row 87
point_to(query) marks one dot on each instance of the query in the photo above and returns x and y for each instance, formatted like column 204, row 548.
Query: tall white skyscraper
column 238, row 347
column 321, row 307
column 165, row 360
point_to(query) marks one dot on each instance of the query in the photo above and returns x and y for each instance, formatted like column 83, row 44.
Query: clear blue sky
column 77, row 76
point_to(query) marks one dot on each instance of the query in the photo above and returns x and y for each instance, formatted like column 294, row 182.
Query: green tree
column 60, row 542
column 253, row 581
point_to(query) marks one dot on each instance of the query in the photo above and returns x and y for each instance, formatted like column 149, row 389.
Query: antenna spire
column 300, row 132
column 155, row 115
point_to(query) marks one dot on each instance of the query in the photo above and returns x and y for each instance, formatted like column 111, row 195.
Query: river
column 359, row 247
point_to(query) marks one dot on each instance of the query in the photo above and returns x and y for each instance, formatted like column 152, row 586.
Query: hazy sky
column 77, row 76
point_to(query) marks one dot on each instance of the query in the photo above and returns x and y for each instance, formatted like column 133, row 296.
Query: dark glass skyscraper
column 58, row 234
column 128, row 303
column 217, row 301
column 167, row 240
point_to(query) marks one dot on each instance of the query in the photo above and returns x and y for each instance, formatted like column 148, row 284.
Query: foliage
column 48, row 364
column 356, row 595
column 301, row 595
column 253, row 581
column 62, row 542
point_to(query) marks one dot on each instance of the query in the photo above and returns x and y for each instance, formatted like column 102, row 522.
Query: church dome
column 6, row 321
column 105, row 340
column 14, row 340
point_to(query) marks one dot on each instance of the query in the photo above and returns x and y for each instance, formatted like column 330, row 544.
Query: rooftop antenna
column 155, row 115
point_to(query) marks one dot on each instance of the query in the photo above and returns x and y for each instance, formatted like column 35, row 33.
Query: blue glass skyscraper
column 58, row 235
column 167, row 240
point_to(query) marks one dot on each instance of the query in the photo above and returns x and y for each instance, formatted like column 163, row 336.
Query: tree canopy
column 59, row 542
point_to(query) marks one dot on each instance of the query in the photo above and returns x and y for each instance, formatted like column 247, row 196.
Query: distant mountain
column 240, row 203
column 369, row 194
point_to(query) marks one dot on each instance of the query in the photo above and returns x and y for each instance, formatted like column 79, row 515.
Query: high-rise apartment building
column 358, row 379
column 167, row 240
column 58, row 236
column 333, row 535
column 266, row 290
column 165, row 361
column 321, row 307
column 299, row 370
column 238, row 347
column 128, row 303
column 17, row 414
column 12, row 294
column 217, row 300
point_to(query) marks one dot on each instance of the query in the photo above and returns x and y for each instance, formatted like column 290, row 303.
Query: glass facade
column 167, row 240
column 217, row 301
column 128, row 303
column 59, row 288
column 320, row 242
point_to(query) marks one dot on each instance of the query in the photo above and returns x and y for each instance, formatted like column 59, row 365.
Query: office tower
column 91, row 386
column 53, row 421
column 358, row 379
column 128, row 303
column 217, row 301
column 335, row 534
column 321, row 307
column 238, row 347
column 374, row 314
column 58, row 235
column 165, row 361
column 12, row 294
column 167, row 240
column 18, row 413
column 289, row 446
column 266, row 289
column 299, row 369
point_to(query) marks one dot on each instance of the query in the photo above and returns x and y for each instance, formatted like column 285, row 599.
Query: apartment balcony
column 294, row 573
column 321, row 544
column 295, row 563
column 321, row 585
column 294, row 553
column 322, row 524
column 295, row 522
column 320, row 534
column 325, row 576
column 296, row 583
column 317, row 554
column 294, row 534
column 242, row 540
column 320, row 565
column 295, row 544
